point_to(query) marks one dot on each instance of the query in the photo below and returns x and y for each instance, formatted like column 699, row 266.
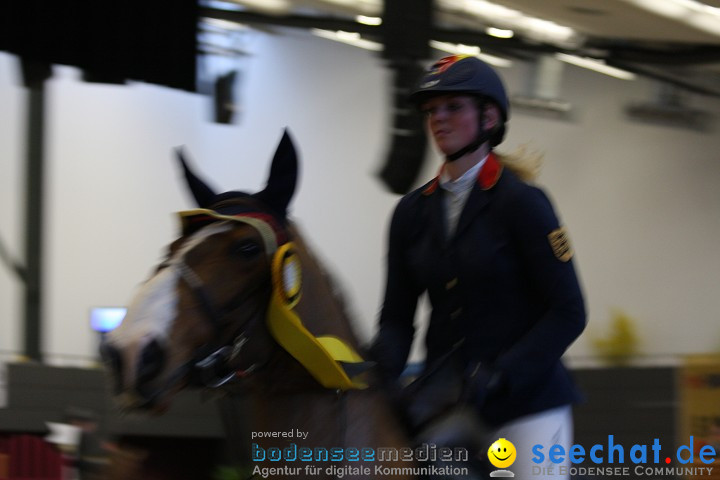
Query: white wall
column 11, row 188
column 641, row 202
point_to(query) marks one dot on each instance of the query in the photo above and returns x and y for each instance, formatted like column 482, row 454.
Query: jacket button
column 451, row 284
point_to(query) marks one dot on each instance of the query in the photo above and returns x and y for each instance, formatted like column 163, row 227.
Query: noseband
column 325, row 358
column 211, row 365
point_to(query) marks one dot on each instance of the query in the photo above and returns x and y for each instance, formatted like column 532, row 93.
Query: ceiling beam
column 632, row 57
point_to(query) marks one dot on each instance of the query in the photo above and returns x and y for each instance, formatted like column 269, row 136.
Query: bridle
column 328, row 359
column 215, row 364
column 212, row 365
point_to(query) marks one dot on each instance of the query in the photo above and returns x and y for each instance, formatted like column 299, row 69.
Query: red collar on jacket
column 487, row 178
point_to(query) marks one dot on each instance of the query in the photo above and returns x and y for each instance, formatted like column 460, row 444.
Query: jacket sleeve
column 547, row 257
column 396, row 329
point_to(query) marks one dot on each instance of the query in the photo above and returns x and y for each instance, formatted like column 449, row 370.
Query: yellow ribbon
column 319, row 355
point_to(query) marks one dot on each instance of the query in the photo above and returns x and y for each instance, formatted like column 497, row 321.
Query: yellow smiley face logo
column 502, row 453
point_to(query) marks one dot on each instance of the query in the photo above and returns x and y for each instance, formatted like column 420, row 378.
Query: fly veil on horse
column 240, row 299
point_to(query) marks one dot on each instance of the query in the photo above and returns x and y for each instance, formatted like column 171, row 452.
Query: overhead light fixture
column 365, row 20
column 223, row 25
column 499, row 32
column 368, row 7
column 474, row 50
column 348, row 38
column 547, row 31
column 222, row 5
column 697, row 15
column 596, row 65
column 275, row 7
column 505, row 18
column 484, row 8
column 456, row 48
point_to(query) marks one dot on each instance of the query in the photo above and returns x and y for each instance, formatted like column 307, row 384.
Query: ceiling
column 616, row 20
column 675, row 41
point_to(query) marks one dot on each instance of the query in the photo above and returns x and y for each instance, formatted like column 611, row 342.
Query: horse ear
column 283, row 177
column 204, row 195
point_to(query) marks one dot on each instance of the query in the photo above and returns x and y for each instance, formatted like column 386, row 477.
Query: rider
column 496, row 264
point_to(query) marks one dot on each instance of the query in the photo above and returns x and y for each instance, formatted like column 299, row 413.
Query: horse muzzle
column 143, row 388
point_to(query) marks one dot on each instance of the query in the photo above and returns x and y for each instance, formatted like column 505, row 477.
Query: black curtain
column 146, row 40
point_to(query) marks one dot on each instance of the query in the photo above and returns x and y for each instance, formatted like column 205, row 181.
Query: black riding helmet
column 464, row 74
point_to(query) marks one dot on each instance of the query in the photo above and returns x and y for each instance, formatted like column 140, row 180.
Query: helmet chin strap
column 482, row 136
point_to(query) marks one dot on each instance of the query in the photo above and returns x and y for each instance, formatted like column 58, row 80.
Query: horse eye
column 246, row 249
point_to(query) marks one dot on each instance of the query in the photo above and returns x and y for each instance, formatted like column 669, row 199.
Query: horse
column 242, row 305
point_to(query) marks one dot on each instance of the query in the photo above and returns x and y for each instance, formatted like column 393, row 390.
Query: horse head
column 240, row 298
column 190, row 323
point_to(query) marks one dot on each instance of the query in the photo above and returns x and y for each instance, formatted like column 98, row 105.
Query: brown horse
column 225, row 310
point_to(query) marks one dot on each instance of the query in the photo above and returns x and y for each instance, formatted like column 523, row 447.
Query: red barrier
column 28, row 457
column 4, row 466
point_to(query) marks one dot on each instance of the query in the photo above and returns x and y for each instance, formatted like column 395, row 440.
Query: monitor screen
column 106, row 319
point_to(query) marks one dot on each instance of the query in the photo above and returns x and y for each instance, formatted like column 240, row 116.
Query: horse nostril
column 152, row 359
column 113, row 360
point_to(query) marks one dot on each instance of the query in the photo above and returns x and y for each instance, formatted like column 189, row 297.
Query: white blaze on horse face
column 153, row 310
column 149, row 316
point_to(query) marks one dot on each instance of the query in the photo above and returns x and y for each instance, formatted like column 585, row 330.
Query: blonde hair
column 523, row 162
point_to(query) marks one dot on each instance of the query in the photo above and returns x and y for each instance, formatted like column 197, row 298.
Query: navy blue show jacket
column 504, row 282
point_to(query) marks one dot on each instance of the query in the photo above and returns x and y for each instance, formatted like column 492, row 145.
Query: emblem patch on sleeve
column 560, row 244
